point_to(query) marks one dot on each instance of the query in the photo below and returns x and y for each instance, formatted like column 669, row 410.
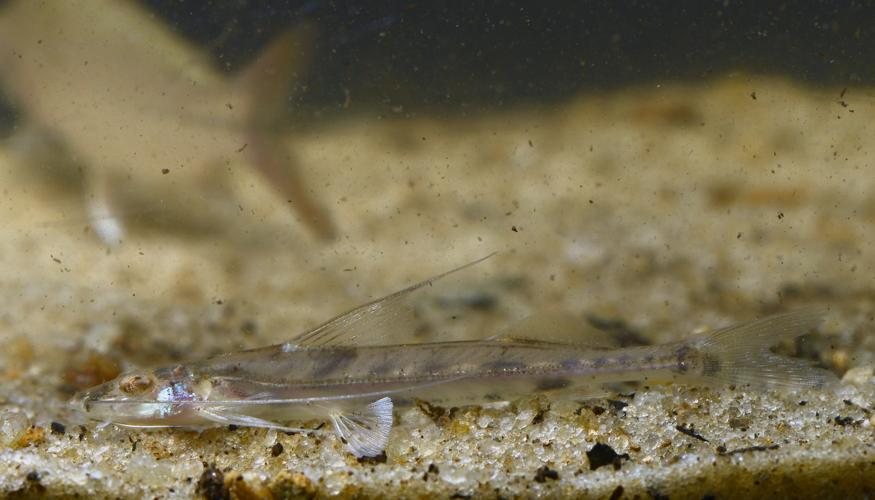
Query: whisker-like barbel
column 353, row 369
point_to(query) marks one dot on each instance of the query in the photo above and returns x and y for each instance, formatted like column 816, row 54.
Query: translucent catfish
column 355, row 368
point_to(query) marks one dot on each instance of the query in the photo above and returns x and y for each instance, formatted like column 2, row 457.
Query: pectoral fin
column 366, row 431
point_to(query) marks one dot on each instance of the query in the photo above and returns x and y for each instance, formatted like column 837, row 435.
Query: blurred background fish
column 148, row 119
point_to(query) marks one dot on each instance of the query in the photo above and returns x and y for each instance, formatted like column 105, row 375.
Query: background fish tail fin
column 265, row 86
column 268, row 80
column 278, row 166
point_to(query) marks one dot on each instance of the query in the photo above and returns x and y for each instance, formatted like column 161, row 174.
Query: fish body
column 144, row 114
column 340, row 373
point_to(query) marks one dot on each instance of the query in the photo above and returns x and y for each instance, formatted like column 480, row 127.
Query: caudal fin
column 740, row 354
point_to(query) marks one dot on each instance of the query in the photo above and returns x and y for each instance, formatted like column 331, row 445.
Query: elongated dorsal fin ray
column 365, row 432
column 385, row 321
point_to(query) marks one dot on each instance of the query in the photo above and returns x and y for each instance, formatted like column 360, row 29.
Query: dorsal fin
column 388, row 320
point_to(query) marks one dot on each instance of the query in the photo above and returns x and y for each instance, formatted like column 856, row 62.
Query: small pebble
column 544, row 473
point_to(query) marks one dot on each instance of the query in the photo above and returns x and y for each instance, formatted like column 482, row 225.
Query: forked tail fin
column 740, row 354
column 265, row 85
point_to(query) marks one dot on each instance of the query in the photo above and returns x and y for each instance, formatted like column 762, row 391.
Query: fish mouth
column 104, row 403
column 81, row 402
column 90, row 404
column 85, row 400
column 96, row 405
column 78, row 403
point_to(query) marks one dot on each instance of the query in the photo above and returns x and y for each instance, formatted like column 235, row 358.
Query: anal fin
column 225, row 418
column 366, row 431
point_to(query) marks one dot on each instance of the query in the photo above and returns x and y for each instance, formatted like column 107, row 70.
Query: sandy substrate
column 656, row 212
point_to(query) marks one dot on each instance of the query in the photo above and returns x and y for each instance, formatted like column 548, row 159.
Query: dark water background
column 408, row 58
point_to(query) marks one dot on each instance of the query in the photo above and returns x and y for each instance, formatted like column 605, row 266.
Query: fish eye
column 136, row 384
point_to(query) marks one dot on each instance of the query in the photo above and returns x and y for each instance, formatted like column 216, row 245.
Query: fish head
column 144, row 398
